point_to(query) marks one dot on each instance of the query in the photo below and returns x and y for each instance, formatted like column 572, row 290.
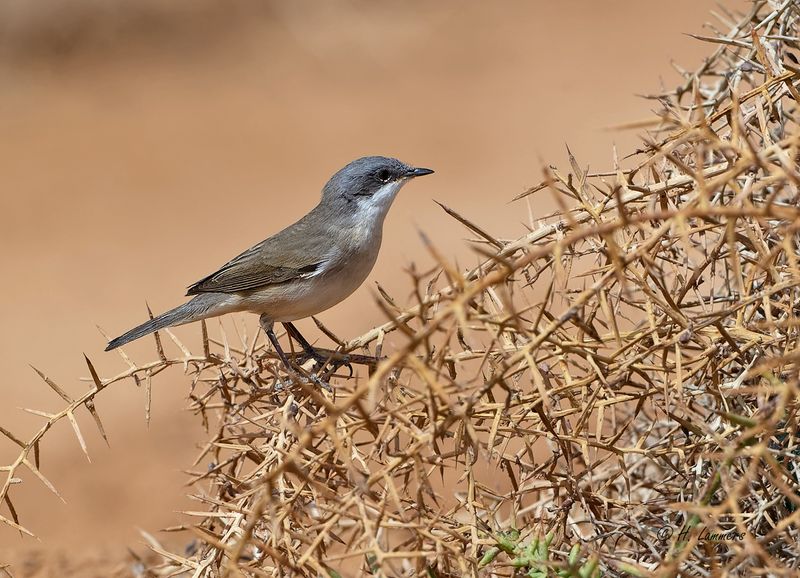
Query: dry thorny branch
column 622, row 379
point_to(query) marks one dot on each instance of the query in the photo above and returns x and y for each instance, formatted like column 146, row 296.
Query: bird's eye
column 384, row 175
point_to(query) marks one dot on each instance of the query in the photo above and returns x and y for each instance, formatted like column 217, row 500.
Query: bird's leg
column 312, row 353
column 266, row 324
column 295, row 334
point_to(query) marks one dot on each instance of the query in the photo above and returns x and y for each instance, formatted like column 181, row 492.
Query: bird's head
column 369, row 185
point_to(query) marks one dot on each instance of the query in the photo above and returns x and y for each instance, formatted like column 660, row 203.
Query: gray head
column 369, row 183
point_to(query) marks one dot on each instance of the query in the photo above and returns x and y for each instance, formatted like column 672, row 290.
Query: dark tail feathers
column 195, row 309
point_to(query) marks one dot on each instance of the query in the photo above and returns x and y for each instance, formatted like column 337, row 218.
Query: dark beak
column 419, row 172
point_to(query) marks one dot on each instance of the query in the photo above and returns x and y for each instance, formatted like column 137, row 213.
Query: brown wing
column 259, row 266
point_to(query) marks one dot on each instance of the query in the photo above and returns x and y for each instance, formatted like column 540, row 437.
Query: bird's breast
column 340, row 275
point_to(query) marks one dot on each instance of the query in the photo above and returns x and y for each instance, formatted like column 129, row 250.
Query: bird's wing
column 267, row 263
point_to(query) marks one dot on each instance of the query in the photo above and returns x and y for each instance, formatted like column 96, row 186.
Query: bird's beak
column 419, row 172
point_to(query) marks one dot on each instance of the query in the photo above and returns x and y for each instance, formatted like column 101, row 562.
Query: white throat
column 366, row 220
column 379, row 203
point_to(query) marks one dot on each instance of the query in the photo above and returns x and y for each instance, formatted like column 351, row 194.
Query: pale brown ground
column 142, row 148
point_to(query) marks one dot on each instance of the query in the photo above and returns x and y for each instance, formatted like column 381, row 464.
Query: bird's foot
column 316, row 379
column 294, row 378
column 322, row 360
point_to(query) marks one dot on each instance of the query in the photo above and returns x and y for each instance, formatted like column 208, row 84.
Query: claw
column 321, row 361
column 343, row 361
column 320, row 382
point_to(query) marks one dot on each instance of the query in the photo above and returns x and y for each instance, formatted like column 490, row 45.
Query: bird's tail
column 202, row 306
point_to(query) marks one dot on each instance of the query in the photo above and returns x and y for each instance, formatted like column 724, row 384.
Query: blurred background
column 145, row 143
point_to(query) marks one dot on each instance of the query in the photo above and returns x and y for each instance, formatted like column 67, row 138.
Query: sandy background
column 142, row 146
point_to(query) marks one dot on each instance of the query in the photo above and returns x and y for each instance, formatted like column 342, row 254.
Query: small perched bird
column 308, row 267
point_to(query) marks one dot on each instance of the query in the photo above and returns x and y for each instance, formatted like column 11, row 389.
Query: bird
column 306, row 268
